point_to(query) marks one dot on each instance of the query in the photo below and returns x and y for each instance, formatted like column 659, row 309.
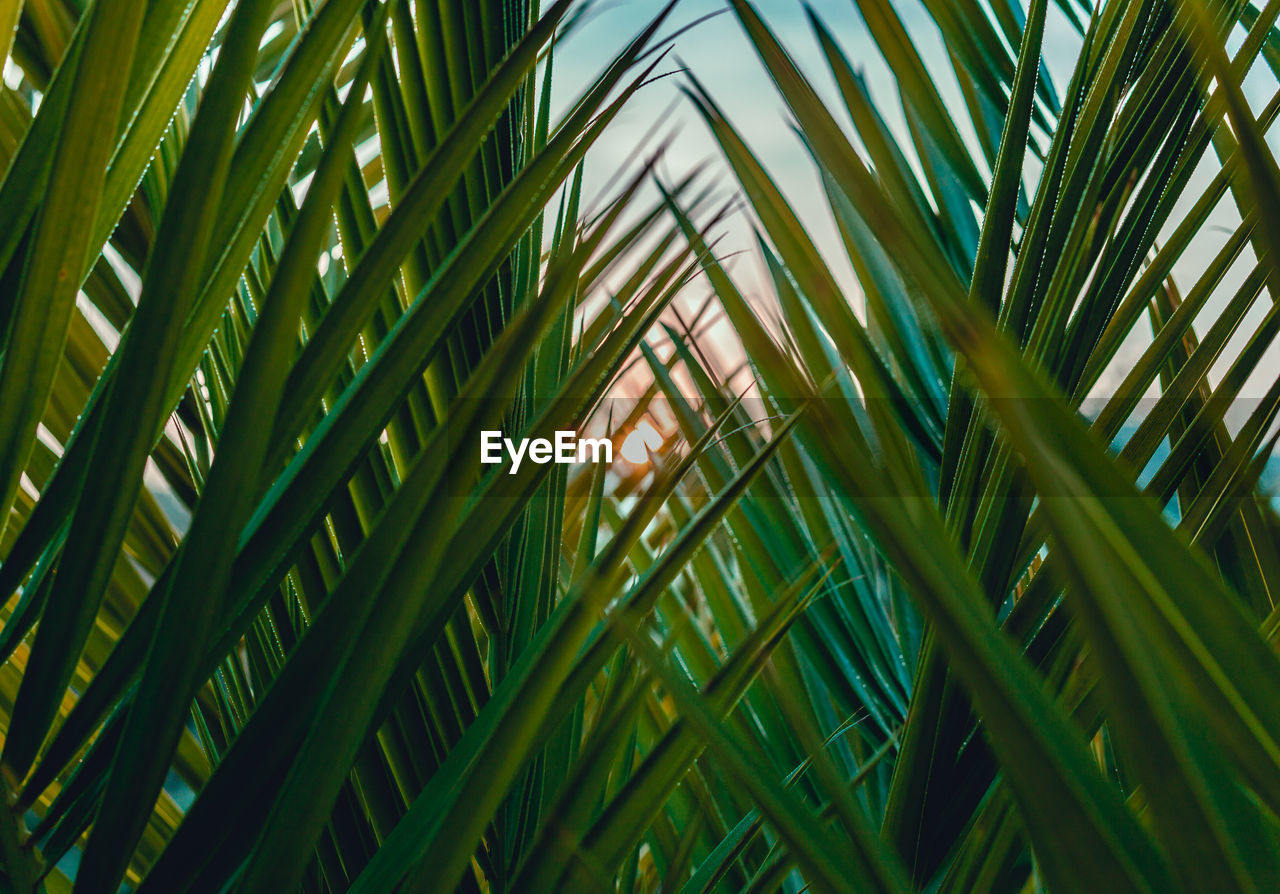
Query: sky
column 719, row 55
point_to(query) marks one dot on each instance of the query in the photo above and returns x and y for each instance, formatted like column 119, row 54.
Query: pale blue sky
column 720, row 56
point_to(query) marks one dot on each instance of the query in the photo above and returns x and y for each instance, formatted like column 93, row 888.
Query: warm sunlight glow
column 636, row 446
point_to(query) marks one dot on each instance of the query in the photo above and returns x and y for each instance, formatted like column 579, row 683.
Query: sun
column 637, row 445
